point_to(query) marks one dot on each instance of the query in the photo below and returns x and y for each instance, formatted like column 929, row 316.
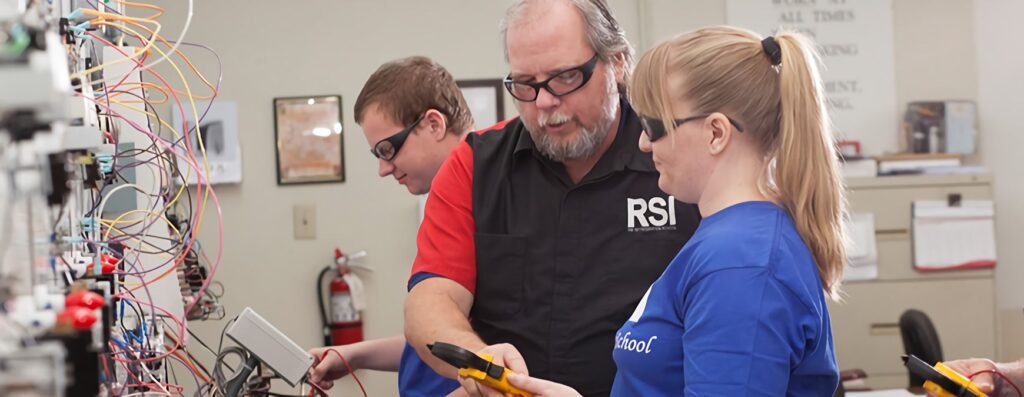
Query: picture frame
column 309, row 140
column 486, row 100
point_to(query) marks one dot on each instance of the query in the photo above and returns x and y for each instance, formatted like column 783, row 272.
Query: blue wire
column 118, row 342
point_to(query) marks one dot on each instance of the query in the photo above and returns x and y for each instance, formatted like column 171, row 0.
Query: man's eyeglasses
column 561, row 84
column 388, row 147
column 655, row 128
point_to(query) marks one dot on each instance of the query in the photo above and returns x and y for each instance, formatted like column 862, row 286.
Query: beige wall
column 1000, row 55
column 274, row 49
column 926, row 34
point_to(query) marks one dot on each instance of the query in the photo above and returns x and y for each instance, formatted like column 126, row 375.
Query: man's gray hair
column 604, row 34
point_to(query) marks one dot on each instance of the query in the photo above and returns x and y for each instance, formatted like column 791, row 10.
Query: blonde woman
column 736, row 124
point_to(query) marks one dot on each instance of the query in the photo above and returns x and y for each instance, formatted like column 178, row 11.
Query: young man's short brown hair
column 405, row 88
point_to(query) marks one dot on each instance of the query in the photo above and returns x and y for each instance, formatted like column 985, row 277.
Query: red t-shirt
column 445, row 243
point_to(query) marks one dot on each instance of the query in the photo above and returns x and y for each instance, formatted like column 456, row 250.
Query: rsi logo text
column 656, row 213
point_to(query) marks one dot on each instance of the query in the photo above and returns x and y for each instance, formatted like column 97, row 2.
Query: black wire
column 197, row 363
column 67, row 274
column 95, row 200
column 220, row 346
column 176, row 244
column 186, row 221
column 117, row 171
column 60, row 214
column 139, row 162
column 208, row 348
column 202, row 390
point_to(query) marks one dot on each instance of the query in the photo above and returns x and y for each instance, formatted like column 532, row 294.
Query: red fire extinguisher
column 342, row 323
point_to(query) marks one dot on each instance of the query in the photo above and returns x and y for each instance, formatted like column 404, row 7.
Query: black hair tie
column 772, row 49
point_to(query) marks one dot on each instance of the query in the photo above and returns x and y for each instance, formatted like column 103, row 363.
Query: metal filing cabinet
column 961, row 303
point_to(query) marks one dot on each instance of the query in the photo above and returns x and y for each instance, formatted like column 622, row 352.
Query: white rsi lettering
column 640, row 346
column 662, row 212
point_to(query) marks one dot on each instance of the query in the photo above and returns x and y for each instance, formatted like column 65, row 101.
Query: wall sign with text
column 855, row 39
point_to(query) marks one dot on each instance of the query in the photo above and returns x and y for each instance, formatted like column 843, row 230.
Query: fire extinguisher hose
column 323, row 309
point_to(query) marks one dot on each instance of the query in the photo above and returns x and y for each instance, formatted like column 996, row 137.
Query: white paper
column 355, row 287
column 961, row 136
column 950, row 236
column 861, row 168
column 861, row 248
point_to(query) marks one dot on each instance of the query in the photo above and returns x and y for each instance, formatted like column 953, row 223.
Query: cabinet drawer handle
column 882, row 329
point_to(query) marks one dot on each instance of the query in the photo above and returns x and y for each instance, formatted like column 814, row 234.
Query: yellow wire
column 185, row 58
column 159, row 10
column 206, row 165
column 188, row 167
column 111, row 228
column 106, row 236
column 149, row 45
column 157, row 36
column 103, row 16
column 188, row 94
column 143, row 85
column 174, row 131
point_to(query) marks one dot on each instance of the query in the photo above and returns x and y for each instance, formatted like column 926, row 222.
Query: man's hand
column 989, row 383
column 325, row 371
column 506, row 356
column 540, row 387
column 985, row 381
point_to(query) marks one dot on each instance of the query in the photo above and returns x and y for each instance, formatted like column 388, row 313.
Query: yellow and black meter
column 478, row 367
column 941, row 380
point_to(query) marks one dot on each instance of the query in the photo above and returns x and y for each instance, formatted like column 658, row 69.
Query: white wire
column 145, row 369
column 188, row 22
column 103, row 203
column 152, row 378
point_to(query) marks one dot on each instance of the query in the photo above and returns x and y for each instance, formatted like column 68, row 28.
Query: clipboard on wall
column 953, row 234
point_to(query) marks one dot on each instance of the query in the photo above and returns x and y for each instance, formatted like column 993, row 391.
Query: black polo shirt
column 555, row 267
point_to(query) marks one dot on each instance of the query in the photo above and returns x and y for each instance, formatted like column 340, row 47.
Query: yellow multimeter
column 941, row 380
column 478, row 367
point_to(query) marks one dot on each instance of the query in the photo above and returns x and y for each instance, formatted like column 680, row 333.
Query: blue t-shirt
column 417, row 379
column 739, row 311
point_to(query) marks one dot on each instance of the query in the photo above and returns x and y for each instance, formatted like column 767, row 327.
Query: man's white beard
column 589, row 139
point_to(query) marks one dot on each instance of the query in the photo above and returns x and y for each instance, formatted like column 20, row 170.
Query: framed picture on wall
column 308, row 137
column 486, row 100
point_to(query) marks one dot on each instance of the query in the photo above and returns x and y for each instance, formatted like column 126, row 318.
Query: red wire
column 992, row 371
column 112, row 378
column 349, row 367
